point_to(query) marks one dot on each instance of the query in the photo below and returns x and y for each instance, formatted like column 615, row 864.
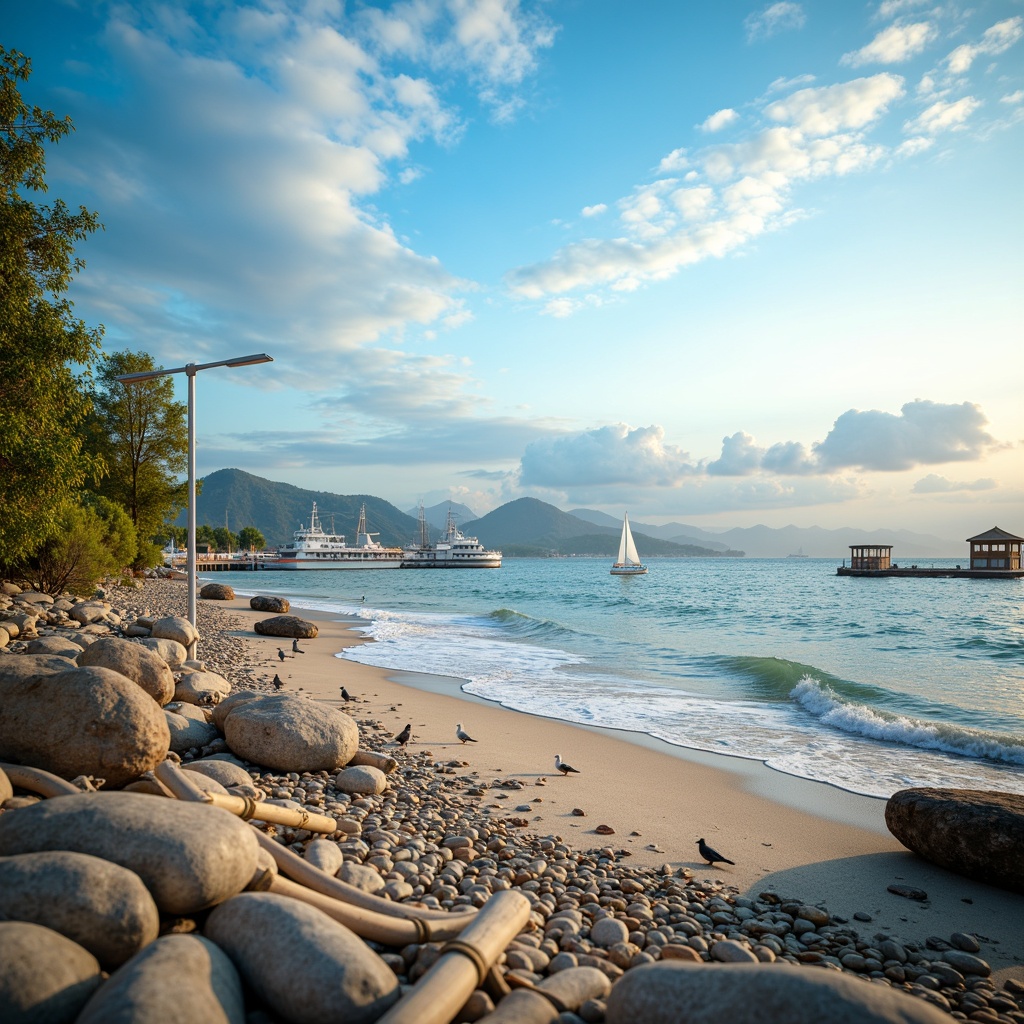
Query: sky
column 722, row 264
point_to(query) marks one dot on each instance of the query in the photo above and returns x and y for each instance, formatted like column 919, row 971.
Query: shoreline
column 789, row 835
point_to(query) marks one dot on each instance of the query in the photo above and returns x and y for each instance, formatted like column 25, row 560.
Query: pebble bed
column 442, row 837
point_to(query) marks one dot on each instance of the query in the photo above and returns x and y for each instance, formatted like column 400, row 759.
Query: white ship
column 452, row 551
column 313, row 548
column 628, row 563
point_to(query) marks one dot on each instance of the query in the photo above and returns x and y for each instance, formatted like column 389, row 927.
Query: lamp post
column 191, row 369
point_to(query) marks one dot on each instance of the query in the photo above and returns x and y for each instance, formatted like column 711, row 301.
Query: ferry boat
column 313, row 548
column 452, row 551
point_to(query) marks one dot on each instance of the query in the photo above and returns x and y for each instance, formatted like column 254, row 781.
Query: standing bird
column 711, row 855
column 345, row 695
column 296, row 648
column 404, row 736
column 281, row 655
column 464, row 736
column 277, row 682
column 561, row 766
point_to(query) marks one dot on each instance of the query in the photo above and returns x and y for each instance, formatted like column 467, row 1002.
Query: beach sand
column 797, row 838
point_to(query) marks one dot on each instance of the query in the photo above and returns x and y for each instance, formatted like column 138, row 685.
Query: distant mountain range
column 527, row 526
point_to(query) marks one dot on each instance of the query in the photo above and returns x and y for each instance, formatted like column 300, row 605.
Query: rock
column 174, row 627
column 606, row 931
column 342, row 979
column 6, row 789
column 189, row 855
column 325, row 855
column 5, row 637
column 34, row 597
column 87, row 612
column 286, row 625
column 729, row 951
column 266, row 603
column 187, row 733
column 172, row 652
column 965, row 963
column 291, row 734
column 231, row 701
column 82, row 721
column 177, row 978
column 46, row 978
column 102, row 906
column 756, row 993
column 361, row 779
column 55, row 645
column 138, row 663
column 233, row 777
column 976, row 833
column 908, row 892
column 968, row 943
column 201, row 688
column 217, row 592
column 373, row 759
column 361, row 877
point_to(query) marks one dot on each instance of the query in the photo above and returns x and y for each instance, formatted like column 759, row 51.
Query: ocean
column 871, row 685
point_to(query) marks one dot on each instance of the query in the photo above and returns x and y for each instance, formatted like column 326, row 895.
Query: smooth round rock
column 361, row 877
column 325, row 855
column 189, row 855
column 607, row 931
column 231, row 701
column 201, row 688
column 234, row 778
column 666, row 993
column 45, row 978
column 268, row 603
column 6, row 789
column 342, row 980
column 55, row 645
column 288, row 626
column 174, row 627
column 179, row 978
column 102, row 906
column 82, row 721
column 217, row 592
column 291, row 734
column 187, row 733
column 138, row 663
column 173, row 653
column 363, row 779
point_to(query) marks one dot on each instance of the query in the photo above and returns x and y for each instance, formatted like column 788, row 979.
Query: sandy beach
column 796, row 838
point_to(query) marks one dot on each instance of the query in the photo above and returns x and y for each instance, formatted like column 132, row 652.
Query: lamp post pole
column 190, row 370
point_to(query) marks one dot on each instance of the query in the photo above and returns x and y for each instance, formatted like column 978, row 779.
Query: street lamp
column 191, row 369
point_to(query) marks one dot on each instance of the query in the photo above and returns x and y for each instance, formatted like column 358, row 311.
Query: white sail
column 628, row 562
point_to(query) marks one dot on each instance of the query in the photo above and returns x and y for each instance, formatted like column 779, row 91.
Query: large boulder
column 6, row 789
column 172, row 652
column 138, row 663
column 266, row 603
column 667, row 993
column 233, row 777
column 189, row 855
column 102, row 906
column 291, row 734
column 974, row 832
column 82, row 721
column 56, row 645
column 187, row 732
column 174, row 627
column 286, row 625
column 45, row 978
column 233, row 700
column 176, row 978
column 343, row 980
column 88, row 612
column 217, row 592
column 200, row 688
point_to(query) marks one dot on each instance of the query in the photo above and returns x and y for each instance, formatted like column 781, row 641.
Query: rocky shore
column 603, row 941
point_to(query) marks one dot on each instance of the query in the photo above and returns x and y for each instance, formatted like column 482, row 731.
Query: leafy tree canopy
column 250, row 539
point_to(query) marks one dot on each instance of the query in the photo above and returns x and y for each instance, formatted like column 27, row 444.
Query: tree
column 42, row 464
column 250, row 539
column 225, row 539
column 141, row 433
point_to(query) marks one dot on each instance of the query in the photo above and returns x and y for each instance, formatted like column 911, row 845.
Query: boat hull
column 304, row 564
column 628, row 570
column 451, row 563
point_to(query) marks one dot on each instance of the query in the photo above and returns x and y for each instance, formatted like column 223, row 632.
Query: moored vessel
column 452, row 551
column 312, row 547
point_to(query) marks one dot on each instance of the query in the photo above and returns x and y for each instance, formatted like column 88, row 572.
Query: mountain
column 437, row 515
column 815, row 542
column 678, row 533
column 277, row 510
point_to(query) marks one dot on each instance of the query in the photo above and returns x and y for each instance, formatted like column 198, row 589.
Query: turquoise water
column 868, row 684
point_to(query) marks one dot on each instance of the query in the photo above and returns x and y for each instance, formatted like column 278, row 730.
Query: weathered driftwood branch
column 183, row 788
column 464, row 963
column 35, row 780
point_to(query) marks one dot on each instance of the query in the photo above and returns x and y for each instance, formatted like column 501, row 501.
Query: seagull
column 281, row 654
column 464, row 736
column 345, row 695
column 277, row 682
column 403, row 737
column 561, row 766
column 711, row 855
column 296, row 648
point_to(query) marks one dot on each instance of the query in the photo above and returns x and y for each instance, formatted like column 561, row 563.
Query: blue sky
column 724, row 264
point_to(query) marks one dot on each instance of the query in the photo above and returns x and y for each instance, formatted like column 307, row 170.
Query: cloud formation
column 782, row 16
column 893, row 45
column 934, row 484
column 995, row 40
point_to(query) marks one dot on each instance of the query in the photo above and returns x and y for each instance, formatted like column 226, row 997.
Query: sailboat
column 628, row 562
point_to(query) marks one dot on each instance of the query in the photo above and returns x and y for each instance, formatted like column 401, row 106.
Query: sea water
column 871, row 685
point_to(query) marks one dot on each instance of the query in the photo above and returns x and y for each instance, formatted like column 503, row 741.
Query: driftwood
column 35, row 780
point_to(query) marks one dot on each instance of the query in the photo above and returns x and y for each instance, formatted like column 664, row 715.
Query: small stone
column 908, row 892
column 579, row 812
column 965, row 942
column 604, row 830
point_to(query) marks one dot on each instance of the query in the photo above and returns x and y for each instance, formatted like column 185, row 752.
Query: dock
column 914, row 572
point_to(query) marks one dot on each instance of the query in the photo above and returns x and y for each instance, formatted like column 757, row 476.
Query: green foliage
column 205, row 535
column 42, row 465
column 141, row 434
column 225, row 539
column 94, row 540
column 250, row 539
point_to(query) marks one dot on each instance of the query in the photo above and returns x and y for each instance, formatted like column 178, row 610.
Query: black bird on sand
column 711, row 855
column 345, row 695
column 561, row 766
column 403, row 737
column 281, row 655
column 296, row 648
column 277, row 682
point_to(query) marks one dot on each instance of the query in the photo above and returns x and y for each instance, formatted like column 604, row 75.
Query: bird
column 296, row 648
column 280, row 654
column 561, row 766
column 464, row 736
column 345, row 695
column 403, row 737
column 711, row 855
column 277, row 682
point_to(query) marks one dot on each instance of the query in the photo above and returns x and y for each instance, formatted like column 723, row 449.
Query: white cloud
column 942, row 116
column 934, row 484
column 995, row 40
column 777, row 17
column 913, row 146
column 740, row 456
column 673, row 163
column 1013, row 98
column 594, row 211
column 833, row 108
column 893, row 45
column 890, row 8
column 719, row 120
